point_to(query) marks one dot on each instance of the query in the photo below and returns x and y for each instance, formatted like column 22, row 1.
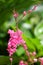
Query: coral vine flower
column 14, row 41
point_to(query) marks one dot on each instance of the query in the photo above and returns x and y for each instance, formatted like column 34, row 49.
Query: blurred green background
column 32, row 27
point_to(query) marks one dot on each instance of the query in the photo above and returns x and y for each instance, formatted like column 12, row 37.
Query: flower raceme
column 25, row 12
column 14, row 41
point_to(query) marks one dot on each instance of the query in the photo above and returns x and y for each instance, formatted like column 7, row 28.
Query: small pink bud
column 11, row 59
column 23, row 63
column 24, row 13
column 15, row 15
column 34, row 7
column 34, row 53
column 29, row 11
column 24, row 45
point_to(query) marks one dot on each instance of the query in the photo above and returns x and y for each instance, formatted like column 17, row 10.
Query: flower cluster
column 14, row 41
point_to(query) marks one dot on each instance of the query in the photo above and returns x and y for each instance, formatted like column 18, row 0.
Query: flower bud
column 34, row 53
column 34, row 7
column 24, row 13
column 15, row 15
column 29, row 11
column 11, row 59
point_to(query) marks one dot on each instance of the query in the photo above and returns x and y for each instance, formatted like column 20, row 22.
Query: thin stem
column 11, row 62
column 16, row 24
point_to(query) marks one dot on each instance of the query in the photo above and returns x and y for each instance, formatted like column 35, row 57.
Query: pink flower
column 41, row 61
column 14, row 41
column 23, row 63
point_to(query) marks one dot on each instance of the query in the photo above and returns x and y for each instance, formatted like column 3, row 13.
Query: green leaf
column 39, row 30
column 34, row 44
column 4, row 60
column 29, row 43
column 20, row 51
